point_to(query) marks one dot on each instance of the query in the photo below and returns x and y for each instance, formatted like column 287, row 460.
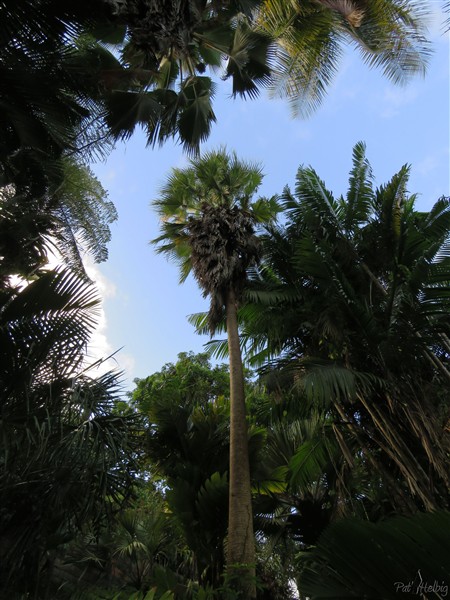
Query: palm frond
column 84, row 211
column 248, row 61
column 306, row 56
column 351, row 554
column 359, row 200
column 196, row 115
column 392, row 37
column 310, row 461
column 314, row 201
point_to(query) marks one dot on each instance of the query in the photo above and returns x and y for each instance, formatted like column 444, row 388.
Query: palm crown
column 352, row 300
column 209, row 220
column 56, row 84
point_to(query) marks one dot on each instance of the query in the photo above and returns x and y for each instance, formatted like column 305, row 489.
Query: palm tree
column 352, row 300
column 208, row 225
column 310, row 37
column 169, row 48
column 53, row 83
column 293, row 48
column 67, row 458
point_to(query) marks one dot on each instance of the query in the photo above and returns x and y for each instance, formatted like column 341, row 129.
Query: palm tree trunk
column 241, row 542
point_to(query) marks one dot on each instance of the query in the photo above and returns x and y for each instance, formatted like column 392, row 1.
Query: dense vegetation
column 209, row 482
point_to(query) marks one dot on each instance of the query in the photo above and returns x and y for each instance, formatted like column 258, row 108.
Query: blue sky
column 144, row 308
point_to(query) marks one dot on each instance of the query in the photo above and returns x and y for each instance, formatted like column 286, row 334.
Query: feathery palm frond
column 67, row 459
column 310, row 36
column 352, row 304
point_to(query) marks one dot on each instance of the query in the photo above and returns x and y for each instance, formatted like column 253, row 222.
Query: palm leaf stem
column 431, row 357
column 400, row 453
column 446, row 342
column 343, row 446
column 370, row 456
column 422, row 426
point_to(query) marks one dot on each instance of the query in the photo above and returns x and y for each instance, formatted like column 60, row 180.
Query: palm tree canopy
column 292, row 48
column 54, row 81
column 208, row 223
column 352, row 300
column 310, row 38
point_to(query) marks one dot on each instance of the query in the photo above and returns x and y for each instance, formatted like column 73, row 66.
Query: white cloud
column 106, row 288
column 99, row 347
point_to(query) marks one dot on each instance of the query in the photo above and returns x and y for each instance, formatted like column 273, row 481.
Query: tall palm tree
column 208, row 224
column 353, row 301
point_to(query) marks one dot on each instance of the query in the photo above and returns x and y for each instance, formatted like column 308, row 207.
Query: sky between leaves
column 144, row 308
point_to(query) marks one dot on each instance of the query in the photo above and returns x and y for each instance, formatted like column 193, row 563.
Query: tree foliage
column 71, row 221
column 186, row 405
column 356, row 559
column 353, row 301
column 64, row 90
column 311, row 37
column 67, row 459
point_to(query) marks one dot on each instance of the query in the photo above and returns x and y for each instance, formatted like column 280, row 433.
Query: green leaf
column 350, row 555
column 195, row 114
column 249, row 60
